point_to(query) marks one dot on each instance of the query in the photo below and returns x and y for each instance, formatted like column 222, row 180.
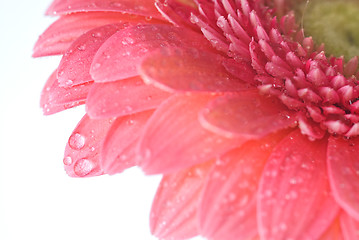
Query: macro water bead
column 248, row 108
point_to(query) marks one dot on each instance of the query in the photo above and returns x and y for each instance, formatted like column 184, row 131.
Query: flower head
column 253, row 124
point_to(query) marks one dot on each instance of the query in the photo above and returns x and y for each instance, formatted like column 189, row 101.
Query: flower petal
column 245, row 114
column 228, row 207
column 334, row 232
column 294, row 200
column 174, row 209
column 60, row 35
column 83, row 148
column 75, row 65
column 55, row 99
column 343, row 167
column 118, row 150
column 188, row 70
column 350, row 227
column 114, row 99
column 120, row 56
column 173, row 138
column 177, row 12
column 138, row 7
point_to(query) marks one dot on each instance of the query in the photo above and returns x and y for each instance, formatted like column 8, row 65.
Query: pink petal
column 120, row 56
column 294, row 200
column 118, row 151
column 176, row 12
column 343, row 167
column 350, row 227
column 82, row 150
column 123, row 97
column 138, row 7
column 60, row 35
column 189, row 70
column 334, row 232
column 173, row 138
column 228, row 208
column 246, row 114
column 174, row 209
column 75, row 65
column 55, row 99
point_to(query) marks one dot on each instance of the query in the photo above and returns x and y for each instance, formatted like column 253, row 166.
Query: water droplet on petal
column 67, row 160
column 127, row 40
column 130, row 122
column 69, row 83
column 83, row 167
column 97, row 35
column 81, row 47
column 77, row 141
column 96, row 66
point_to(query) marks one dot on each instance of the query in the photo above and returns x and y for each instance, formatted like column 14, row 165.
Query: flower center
column 334, row 23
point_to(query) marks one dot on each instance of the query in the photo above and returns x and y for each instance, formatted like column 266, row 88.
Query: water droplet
column 76, row 141
column 69, row 83
column 83, row 167
column 127, row 40
column 96, row 66
column 81, row 47
column 130, row 122
column 67, row 160
column 220, row 24
column 97, row 35
column 148, row 18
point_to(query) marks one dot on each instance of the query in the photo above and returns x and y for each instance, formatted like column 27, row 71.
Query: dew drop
column 96, row 66
column 97, row 35
column 83, row 167
column 130, row 122
column 76, row 141
column 127, row 40
column 69, row 83
column 81, row 47
column 220, row 24
column 67, row 160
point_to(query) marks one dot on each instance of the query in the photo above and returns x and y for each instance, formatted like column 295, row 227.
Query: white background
column 37, row 199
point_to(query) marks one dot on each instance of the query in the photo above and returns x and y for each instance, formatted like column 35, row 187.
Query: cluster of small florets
column 280, row 61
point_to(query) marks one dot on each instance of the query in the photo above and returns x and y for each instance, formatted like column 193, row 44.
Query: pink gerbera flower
column 252, row 124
